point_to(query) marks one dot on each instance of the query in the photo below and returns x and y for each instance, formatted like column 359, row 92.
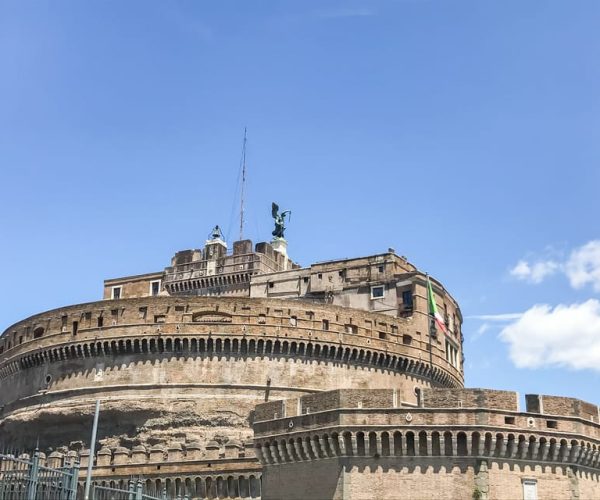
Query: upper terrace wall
column 54, row 334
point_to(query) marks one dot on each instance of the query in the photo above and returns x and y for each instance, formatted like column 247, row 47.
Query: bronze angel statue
column 279, row 219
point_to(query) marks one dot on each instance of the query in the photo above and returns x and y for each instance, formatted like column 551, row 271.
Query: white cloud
column 535, row 272
column 497, row 317
column 480, row 331
column 583, row 266
column 566, row 336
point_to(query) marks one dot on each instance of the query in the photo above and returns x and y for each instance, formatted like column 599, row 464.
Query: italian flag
column 433, row 312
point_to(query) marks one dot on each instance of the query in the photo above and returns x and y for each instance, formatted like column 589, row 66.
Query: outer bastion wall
column 165, row 366
column 362, row 443
column 215, row 470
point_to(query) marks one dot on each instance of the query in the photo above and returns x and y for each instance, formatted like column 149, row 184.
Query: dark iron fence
column 135, row 491
column 27, row 478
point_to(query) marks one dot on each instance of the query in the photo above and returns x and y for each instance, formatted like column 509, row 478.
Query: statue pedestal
column 280, row 246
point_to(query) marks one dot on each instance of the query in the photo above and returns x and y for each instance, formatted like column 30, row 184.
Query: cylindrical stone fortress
column 193, row 368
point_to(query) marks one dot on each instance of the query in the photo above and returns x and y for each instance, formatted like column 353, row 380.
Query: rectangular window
column 382, row 335
column 75, row 327
column 407, row 298
column 325, row 324
column 142, row 312
column 351, row 328
column 154, row 288
column 116, row 292
column 88, row 316
column 530, row 489
column 159, row 318
column 509, row 420
column 380, row 269
column 377, row 292
column 552, row 424
column 100, row 321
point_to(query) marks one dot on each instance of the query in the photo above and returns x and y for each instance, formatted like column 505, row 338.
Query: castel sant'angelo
column 240, row 374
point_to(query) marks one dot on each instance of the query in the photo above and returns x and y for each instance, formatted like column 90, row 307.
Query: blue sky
column 463, row 134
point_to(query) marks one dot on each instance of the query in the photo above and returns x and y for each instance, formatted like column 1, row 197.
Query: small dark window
column 21, row 339
column 382, row 335
column 509, row 420
column 38, row 332
column 116, row 292
column 325, row 324
column 377, row 292
column 100, row 321
column 380, row 269
column 407, row 298
column 88, row 316
column 142, row 312
column 305, row 279
column 271, row 284
column 320, row 276
column 1, row 349
column 182, row 308
column 341, row 274
column 552, row 424
column 406, row 339
column 155, row 288
column 75, row 327
column 114, row 312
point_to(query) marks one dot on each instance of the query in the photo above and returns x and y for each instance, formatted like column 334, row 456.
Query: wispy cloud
column 582, row 267
column 497, row 317
column 534, row 272
column 344, row 12
column 565, row 335
column 480, row 331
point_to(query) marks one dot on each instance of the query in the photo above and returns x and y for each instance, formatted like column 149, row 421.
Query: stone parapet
column 372, row 447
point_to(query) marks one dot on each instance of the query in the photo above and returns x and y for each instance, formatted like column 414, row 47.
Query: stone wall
column 401, row 452
column 470, row 398
column 556, row 405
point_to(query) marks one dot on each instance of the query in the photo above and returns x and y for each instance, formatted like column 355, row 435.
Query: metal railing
column 134, row 492
column 25, row 478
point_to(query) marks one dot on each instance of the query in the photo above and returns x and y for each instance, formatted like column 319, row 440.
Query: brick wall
column 470, row 398
column 557, row 405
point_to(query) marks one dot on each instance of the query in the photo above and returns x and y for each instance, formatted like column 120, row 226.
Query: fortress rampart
column 206, row 360
column 459, row 443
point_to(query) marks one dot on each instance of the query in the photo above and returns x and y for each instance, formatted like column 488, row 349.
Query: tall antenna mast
column 243, row 187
